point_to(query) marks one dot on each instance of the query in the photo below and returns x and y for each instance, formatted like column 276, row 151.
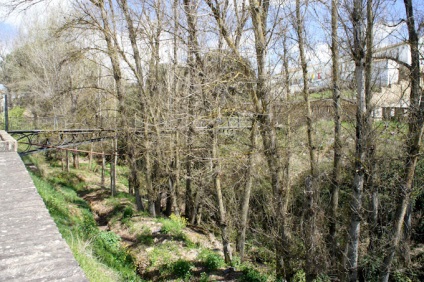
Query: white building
column 386, row 69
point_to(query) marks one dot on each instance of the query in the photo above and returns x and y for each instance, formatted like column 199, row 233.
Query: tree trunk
column 336, row 174
column 413, row 143
column 216, row 170
column 102, row 177
column 90, row 158
column 195, row 64
column 312, row 264
column 360, row 151
column 144, row 107
column 67, row 160
column 371, row 144
column 113, row 164
column 112, row 178
column 261, row 99
column 75, row 158
column 247, row 190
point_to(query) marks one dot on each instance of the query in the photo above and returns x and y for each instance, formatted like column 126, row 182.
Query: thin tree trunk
column 261, row 100
column 67, row 160
column 102, row 177
column 195, row 64
column 336, row 174
column 112, row 178
column 174, row 175
column 216, row 170
column 62, row 160
column 413, row 143
column 360, row 151
column 247, row 190
column 371, row 144
column 144, row 105
column 175, row 166
column 90, row 158
column 113, row 168
column 312, row 264
column 75, row 162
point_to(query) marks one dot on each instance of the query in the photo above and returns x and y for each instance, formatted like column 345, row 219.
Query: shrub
column 204, row 277
column 252, row 275
column 128, row 212
column 180, row 269
column 174, row 226
column 211, row 260
column 300, row 276
column 107, row 246
column 162, row 254
column 87, row 227
column 146, row 237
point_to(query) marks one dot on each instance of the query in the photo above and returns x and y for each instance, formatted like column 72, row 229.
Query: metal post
column 6, row 114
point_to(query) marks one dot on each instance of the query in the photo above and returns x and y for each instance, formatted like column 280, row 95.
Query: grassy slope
column 175, row 253
column 77, row 226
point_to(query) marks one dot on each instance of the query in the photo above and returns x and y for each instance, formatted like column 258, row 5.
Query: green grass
column 179, row 269
column 211, row 260
column 99, row 253
column 174, row 226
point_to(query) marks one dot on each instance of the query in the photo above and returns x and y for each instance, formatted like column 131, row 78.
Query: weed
column 211, row 260
column 162, row 254
column 128, row 212
column 252, row 275
column 300, row 276
column 99, row 253
column 204, row 277
column 174, row 226
column 146, row 237
column 179, row 269
column 400, row 277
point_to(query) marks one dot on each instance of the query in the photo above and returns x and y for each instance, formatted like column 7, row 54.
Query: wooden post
column 67, row 160
column 113, row 163
column 112, row 177
column 90, row 157
column 6, row 114
column 102, row 181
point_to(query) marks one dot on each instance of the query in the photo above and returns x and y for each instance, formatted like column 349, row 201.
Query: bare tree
column 336, row 174
column 413, row 147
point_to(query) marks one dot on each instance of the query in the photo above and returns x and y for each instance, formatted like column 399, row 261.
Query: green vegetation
column 16, row 112
column 174, row 226
column 252, row 275
column 211, row 260
column 179, row 269
column 146, row 237
column 98, row 252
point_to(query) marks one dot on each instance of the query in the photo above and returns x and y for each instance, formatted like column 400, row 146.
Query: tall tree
column 413, row 141
column 336, row 173
column 360, row 140
column 311, row 189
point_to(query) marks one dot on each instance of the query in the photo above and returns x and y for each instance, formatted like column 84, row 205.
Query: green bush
column 106, row 245
column 174, row 226
column 300, row 276
column 162, row 254
column 81, row 227
column 252, row 275
column 87, row 227
column 146, row 237
column 181, row 269
column 211, row 260
column 400, row 277
column 128, row 212
column 204, row 277
column 16, row 112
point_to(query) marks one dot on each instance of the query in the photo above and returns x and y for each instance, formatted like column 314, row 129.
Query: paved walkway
column 31, row 247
